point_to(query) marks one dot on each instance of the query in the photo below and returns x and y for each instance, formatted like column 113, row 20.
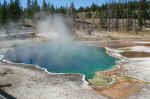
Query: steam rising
column 55, row 27
column 60, row 53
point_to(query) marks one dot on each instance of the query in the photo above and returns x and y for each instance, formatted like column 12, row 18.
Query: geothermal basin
column 63, row 57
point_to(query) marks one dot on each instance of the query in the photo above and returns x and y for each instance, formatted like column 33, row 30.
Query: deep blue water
column 72, row 57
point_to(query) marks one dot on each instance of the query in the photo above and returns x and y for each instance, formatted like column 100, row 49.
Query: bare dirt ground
column 98, row 35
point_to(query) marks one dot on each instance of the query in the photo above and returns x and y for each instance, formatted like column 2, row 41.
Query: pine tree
column 81, row 9
column 52, row 9
column 93, row 7
column 14, row 10
column 72, row 8
column 142, row 12
column 44, row 6
column 3, row 13
column 28, row 10
column 35, row 7
column 18, row 10
column 29, row 5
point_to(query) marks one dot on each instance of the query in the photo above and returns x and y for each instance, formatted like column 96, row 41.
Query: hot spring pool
column 72, row 57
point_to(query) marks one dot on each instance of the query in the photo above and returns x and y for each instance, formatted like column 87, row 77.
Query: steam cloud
column 55, row 27
column 58, row 29
column 60, row 53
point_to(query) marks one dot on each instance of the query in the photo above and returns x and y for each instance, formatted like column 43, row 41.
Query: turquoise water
column 72, row 57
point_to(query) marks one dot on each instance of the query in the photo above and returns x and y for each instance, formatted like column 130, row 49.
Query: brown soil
column 121, row 89
column 118, row 43
column 134, row 54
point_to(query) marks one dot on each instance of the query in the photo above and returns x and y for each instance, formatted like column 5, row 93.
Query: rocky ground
column 21, row 81
column 131, row 80
column 29, row 82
